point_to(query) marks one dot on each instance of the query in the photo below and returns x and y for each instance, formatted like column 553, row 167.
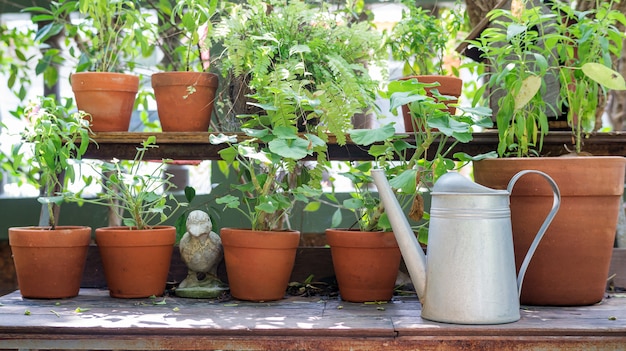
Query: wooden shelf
column 295, row 323
column 196, row 145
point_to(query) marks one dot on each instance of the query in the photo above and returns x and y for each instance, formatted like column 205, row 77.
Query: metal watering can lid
column 453, row 182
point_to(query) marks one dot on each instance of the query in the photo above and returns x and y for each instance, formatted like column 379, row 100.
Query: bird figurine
column 201, row 250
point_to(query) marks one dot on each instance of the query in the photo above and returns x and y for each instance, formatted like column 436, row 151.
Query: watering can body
column 469, row 276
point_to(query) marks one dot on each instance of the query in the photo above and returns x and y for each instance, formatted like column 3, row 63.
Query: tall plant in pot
column 419, row 40
column 49, row 259
column 417, row 164
column 259, row 260
column 185, row 95
column 580, row 45
column 136, row 256
column 108, row 38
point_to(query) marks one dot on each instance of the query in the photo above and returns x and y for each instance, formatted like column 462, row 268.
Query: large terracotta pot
column 571, row 264
column 184, row 100
column 366, row 263
column 136, row 262
column 108, row 97
column 451, row 86
column 49, row 263
column 259, row 263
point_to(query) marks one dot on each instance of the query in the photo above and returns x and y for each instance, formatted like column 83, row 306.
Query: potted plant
column 136, row 256
column 412, row 165
column 420, row 41
column 185, row 93
column 259, row 260
column 580, row 45
column 366, row 257
column 109, row 37
column 50, row 259
column 311, row 54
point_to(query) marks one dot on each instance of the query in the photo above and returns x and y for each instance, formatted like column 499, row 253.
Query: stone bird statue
column 201, row 250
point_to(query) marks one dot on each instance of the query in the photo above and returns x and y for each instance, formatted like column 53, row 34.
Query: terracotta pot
column 49, row 263
column 571, row 264
column 184, row 100
column 136, row 262
column 366, row 264
column 259, row 263
column 451, row 86
column 108, row 97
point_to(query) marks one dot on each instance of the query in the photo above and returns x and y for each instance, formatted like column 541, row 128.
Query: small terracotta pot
column 184, row 100
column 366, row 263
column 136, row 262
column 49, row 263
column 451, row 86
column 108, row 97
column 571, row 264
column 259, row 263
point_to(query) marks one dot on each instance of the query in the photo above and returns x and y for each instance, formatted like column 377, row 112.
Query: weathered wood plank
column 196, row 146
column 318, row 319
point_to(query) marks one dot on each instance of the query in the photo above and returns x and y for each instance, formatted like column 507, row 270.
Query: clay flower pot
column 184, row 100
column 571, row 264
column 49, row 263
column 366, row 263
column 108, row 97
column 451, row 86
column 136, row 262
column 259, row 263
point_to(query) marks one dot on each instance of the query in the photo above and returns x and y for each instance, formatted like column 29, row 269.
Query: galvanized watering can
column 469, row 275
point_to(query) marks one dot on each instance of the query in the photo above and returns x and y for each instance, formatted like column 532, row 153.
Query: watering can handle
column 555, row 207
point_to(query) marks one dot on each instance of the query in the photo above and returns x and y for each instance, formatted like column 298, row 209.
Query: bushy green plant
column 57, row 136
column 110, row 37
column 182, row 28
column 421, row 38
column 305, row 65
column 527, row 49
column 413, row 164
column 143, row 200
column 271, row 178
column 590, row 40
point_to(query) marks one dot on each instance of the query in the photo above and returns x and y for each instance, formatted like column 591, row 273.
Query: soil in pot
column 108, row 97
column 451, row 86
column 185, row 100
column 136, row 262
column 571, row 264
column 366, row 264
column 49, row 263
column 259, row 263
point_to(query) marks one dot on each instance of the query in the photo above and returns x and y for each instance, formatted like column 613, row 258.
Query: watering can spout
column 411, row 250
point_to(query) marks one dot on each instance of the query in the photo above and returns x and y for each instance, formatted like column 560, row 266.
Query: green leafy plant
column 271, row 178
column 142, row 199
column 56, row 136
column 535, row 48
column 182, row 29
column 305, row 66
column 414, row 165
column 590, row 40
column 421, row 39
column 109, row 38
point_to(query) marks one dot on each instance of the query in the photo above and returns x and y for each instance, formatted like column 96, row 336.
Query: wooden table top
column 93, row 320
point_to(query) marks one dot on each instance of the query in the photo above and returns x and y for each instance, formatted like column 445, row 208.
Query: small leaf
column 370, row 136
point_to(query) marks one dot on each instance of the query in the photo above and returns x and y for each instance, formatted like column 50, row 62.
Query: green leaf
column 190, row 193
column 295, row 149
column 312, row 206
column 336, row 219
column 405, row 181
column 370, row 136
column 353, row 204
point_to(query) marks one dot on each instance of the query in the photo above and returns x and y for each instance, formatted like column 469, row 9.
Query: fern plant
column 305, row 65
